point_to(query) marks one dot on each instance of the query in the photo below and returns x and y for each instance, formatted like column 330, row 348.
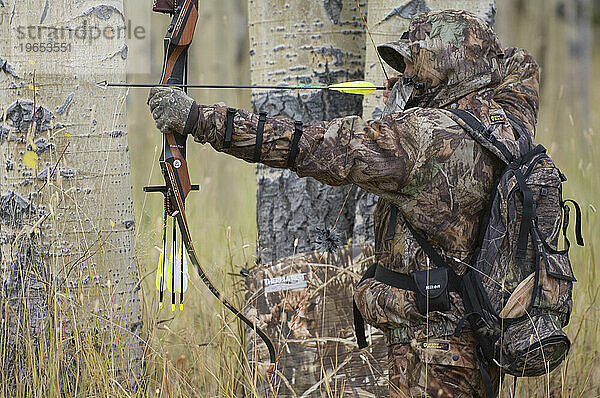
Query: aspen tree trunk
column 311, row 43
column 303, row 43
column 70, row 307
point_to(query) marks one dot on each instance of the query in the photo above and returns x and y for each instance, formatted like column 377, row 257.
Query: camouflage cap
column 393, row 53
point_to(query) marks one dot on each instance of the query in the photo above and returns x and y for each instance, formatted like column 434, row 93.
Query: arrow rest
column 170, row 205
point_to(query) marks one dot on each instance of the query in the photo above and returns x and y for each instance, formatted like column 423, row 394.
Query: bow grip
column 174, row 155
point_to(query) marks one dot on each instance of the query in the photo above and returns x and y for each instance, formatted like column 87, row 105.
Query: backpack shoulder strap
column 521, row 134
column 518, row 125
column 483, row 135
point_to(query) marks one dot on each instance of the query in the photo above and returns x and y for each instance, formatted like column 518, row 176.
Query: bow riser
column 172, row 160
column 176, row 43
column 175, row 64
column 173, row 165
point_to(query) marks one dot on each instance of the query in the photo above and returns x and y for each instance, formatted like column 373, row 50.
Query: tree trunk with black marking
column 303, row 43
column 69, row 277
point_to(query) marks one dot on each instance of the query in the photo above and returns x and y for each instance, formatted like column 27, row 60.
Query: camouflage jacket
column 421, row 160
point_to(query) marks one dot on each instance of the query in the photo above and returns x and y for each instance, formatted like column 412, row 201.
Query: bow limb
column 173, row 163
column 185, row 234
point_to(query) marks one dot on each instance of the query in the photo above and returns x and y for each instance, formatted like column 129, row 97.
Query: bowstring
column 372, row 41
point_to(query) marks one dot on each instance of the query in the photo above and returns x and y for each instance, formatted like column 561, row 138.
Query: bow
column 175, row 171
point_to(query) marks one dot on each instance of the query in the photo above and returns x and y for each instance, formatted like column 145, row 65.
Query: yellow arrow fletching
column 357, row 87
column 159, row 269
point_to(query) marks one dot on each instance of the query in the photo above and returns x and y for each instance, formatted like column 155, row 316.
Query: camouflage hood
column 519, row 91
column 453, row 52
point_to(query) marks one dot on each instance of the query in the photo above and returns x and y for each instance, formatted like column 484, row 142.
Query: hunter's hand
column 170, row 109
column 388, row 84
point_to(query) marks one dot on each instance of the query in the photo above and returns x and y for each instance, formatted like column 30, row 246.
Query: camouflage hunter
column 422, row 161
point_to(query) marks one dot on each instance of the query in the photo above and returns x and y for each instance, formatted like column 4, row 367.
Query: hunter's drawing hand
column 388, row 84
column 170, row 109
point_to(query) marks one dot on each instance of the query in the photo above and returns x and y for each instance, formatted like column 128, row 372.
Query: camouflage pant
column 437, row 368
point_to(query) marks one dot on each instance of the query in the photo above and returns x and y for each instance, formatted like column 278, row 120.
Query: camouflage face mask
column 399, row 96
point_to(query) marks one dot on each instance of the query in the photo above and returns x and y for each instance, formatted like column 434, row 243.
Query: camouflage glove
column 171, row 109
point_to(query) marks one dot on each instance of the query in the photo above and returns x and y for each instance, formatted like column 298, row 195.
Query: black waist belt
column 448, row 282
column 407, row 282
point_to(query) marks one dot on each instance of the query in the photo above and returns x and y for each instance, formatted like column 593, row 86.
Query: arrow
column 160, row 271
column 354, row 87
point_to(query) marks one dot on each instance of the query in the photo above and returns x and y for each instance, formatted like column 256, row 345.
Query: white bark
column 66, row 228
column 303, row 43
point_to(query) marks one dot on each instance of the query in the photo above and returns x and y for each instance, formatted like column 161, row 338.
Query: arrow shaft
column 232, row 86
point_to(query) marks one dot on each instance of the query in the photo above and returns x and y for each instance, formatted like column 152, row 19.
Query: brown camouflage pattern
column 438, row 367
column 313, row 345
column 421, row 160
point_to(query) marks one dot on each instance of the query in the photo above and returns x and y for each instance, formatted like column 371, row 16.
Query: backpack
column 517, row 293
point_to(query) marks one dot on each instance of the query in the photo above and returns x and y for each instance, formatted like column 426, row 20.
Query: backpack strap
column 407, row 281
column 527, row 217
column 433, row 255
column 487, row 380
column 521, row 134
column 404, row 281
column 425, row 245
column 518, row 126
column 359, row 321
column 483, row 135
column 578, row 234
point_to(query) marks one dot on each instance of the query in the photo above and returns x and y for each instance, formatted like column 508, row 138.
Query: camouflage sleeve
column 518, row 93
column 381, row 156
